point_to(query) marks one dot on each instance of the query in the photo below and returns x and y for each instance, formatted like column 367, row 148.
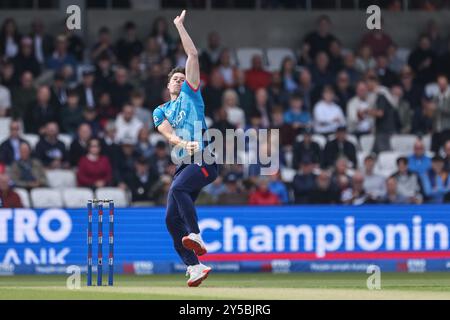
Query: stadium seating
column 403, row 143
column 60, row 178
column 4, row 128
column 32, row 139
column 366, row 142
column 386, row 163
column 66, row 139
column 77, row 197
column 46, row 198
column 245, row 55
column 275, row 57
column 24, row 197
column 361, row 155
column 109, row 193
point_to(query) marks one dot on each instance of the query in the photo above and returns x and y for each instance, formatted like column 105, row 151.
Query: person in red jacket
column 257, row 77
column 262, row 194
column 8, row 198
column 94, row 169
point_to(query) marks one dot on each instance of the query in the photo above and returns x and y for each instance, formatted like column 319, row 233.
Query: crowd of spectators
column 326, row 89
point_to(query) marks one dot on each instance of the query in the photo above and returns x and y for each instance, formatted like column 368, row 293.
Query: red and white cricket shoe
column 194, row 242
column 197, row 274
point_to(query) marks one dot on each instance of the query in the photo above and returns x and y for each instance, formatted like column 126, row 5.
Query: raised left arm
column 192, row 64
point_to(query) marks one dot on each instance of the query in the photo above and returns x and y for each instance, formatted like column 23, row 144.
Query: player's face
column 175, row 83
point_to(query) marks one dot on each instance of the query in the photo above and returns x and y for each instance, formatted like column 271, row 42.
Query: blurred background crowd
column 344, row 115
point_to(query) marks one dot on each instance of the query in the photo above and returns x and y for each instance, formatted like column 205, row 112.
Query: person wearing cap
column 141, row 180
column 339, row 147
column 87, row 90
column 233, row 194
column 25, row 60
column 304, row 183
column 436, row 182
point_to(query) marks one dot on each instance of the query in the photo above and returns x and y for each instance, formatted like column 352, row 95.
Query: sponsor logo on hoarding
column 416, row 265
column 143, row 267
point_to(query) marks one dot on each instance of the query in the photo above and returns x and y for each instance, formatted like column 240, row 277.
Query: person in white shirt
column 128, row 125
column 5, row 100
column 235, row 115
column 328, row 116
column 374, row 184
column 359, row 121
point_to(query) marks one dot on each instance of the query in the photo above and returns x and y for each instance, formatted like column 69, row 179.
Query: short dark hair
column 402, row 159
column 176, row 70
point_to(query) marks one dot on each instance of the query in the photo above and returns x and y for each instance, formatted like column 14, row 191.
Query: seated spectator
column 328, row 116
column 296, row 116
column 418, row 161
column 152, row 53
column 344, row 91
column 308, row 90
column 120, row 88
column 288, row 75
column 141, row 180
column 424, row 121
column 409, row 184
column 358, row 118
column 51, row 151
column 396, row 62
column 339, row 147
column 447, row 156
column 22, row 95
column 61, row 57
column 126, row 160
column 103, row 72
column 256, row 76
column 277, row 94
column 377, row 40
column 355, row 195
column 71, row 114
column 262, row 106
column 423, row 61
column 88, row 91
column 28, row 172
column 90, row 117
column 79, row 145
column 262, row 195
column 436, row 182
column 306, row 148
column 374, row 184
column 104, row 45
column 392, row 194
column 413, row 92
column 233, row 194
column 216, row 188
column 245, row 94
column 58, row 90
column 287, row 132
column 41, row 112
column 350, row 68
column 335, row 55
column 94, row 169
column 129, row 45
column 321, row 71
column 8, row 198
column 364, row 61
column 143, row 147
column 385, row 74
column 221, row 122
column 324, row 193
column 227, row 68
column 276, row 186
column 128, row 125
column 404, row 111
column 212, row 92
column 209, row 56
column 141, row 112
column 10, row 148
column 25, row 60
column 230, row 103
column 341, row 173
column 441, row 115
column 154, row 85
column 304, row 183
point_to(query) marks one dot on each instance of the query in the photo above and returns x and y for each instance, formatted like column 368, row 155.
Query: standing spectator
column 87, row 90
column 5, row 101
column 104, row 45
column 378, row 41
column 442, row 114
column 41, row 112
column 358, row 119
column 419, row 162
column 256, row 76
column 50, row 150
column 10, row 148
column 128, row 125
column 9, row 39
column 94, row 169
column 141, row 180
column 320, row 39
column 328, row 116
column 374, row 184
column 436, row 182
column 262, row 195
column 304, row 183
column 61, row 57
column 339, row 147
column 423, row 61
column 71, row 114
column 120, row 89
column 129, row 45
column 25, row 60
column 23, row 95
column 111, row 149
column 8, row 198
column 210, row 56
column 43, row 43
column 79, row 145
column 28, row 172
column 409, row 184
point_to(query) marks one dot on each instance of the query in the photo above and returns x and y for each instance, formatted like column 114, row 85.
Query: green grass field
column 236, row 286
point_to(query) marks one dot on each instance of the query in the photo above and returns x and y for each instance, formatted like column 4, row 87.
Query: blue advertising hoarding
column 238, row 239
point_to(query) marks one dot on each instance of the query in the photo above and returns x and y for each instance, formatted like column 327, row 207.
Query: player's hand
column 179, row 20
column 192, row 147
